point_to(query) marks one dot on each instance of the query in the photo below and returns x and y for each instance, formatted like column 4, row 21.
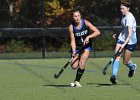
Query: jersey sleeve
column 129, row 21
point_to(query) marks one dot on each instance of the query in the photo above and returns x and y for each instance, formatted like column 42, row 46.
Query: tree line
column 57, row 13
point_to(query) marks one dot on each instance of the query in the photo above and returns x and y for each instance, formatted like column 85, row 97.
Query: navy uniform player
column 79, row 36
column 126, row 41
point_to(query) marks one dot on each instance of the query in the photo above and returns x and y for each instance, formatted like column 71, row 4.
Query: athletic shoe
column 113, row 79
column 72, row 84
column 77, row 84
column 132, row 72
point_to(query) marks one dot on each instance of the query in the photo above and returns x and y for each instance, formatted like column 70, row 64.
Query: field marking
column 41, row 66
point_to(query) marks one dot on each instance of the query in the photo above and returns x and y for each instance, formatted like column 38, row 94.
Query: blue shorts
column 130, row 47
column 86, row 48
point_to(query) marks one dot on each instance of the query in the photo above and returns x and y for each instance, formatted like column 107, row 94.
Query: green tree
column 58, row 10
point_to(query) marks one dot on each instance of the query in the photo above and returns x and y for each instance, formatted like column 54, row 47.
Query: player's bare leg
column 81, row 69
column 127, row 61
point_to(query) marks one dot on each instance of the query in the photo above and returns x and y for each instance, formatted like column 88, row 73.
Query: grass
column 55, row 54
column 32, row 79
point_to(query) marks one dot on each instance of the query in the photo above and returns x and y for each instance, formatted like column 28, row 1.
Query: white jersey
column 126, row 21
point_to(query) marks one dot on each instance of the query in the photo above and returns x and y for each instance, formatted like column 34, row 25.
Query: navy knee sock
column 79, row 74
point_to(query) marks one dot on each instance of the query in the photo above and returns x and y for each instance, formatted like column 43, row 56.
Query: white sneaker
column 132, row 72
column 75, row 84
column 135, row 68
column 72, row 84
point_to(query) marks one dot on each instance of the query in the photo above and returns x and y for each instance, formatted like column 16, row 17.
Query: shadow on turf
column 57, row 85
column 104, row 84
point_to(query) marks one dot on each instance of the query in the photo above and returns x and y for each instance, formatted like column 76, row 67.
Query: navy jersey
column 81, row 33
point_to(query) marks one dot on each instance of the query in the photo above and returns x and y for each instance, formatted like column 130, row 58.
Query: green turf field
column 32, row 79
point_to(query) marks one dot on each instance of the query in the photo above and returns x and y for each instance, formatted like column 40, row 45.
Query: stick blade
column 104, row 72
column 56, row 76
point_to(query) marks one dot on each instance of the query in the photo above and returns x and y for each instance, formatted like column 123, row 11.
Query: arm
column 115, row 36
column 128, row 37
column 129, row 22
column 95, row 31
column 72, row 39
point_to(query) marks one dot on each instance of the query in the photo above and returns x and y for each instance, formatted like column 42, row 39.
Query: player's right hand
column 74, row 54
column 114, row 36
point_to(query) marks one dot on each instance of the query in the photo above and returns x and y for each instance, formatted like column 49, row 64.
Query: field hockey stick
column 65, row 66
column 111, row 61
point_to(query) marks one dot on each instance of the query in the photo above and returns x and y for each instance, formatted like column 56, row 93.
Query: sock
column 115, row 68
column 79, row 74
column 130, row 65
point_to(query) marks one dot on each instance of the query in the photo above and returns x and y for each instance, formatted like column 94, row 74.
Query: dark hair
column 76, row 8
column 126, row 4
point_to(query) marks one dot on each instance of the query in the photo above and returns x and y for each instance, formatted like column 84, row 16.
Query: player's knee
column 74, row 66
column 84, row 58
column 117, row 58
